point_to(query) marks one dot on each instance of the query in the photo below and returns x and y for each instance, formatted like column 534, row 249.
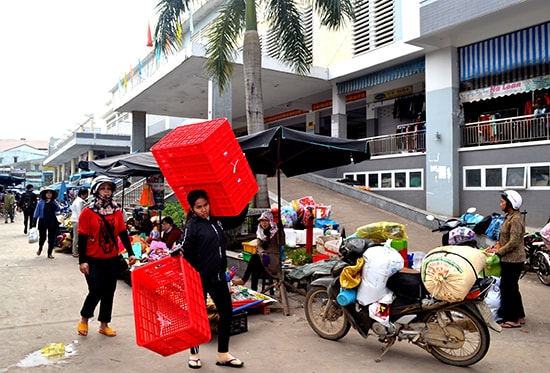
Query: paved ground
column 41, row 299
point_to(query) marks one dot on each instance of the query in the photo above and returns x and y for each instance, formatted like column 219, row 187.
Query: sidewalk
column 41, row 299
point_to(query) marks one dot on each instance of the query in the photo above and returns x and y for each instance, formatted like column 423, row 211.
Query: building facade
column 449, row 93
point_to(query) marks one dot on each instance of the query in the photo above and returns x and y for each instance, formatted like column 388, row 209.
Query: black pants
column 28, row 220
column 51, row 234
column 511, row 305
column 219, row 292
column 255, row 270
column 101, row 281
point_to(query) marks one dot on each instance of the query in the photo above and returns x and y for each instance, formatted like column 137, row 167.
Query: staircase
column 129, row 197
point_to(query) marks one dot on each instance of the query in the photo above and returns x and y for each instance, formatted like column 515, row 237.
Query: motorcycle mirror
column 471, row 210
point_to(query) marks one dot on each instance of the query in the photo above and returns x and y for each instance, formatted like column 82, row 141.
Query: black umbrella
column 295, row 152
column 125, row 165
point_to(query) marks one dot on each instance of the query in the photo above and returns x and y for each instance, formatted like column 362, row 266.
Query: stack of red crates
column 169, row 306
column 207, row 156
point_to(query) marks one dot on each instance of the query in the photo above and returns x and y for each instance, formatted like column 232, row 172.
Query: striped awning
column 523, row 49
column 383, row 76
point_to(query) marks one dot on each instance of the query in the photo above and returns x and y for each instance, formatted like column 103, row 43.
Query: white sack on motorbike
column 449, row 272
column 493, row 299
column 380, row 263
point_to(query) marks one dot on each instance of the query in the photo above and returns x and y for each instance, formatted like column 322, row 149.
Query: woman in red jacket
column 99, row 225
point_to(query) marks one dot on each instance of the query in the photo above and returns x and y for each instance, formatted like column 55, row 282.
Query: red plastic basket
column 207, row 156
column 169, row 307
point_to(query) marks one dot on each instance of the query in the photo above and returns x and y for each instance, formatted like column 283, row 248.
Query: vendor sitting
column 144, row 225
column 170, row 233
column 267, row 261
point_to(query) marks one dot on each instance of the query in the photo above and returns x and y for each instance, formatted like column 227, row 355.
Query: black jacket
column 204, row 243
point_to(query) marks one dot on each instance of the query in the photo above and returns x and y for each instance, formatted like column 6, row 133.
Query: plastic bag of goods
column 33, row 235
column 380, row 263
column 493, row 299
column 449, row 272
column 289, row 216
column 382, row 230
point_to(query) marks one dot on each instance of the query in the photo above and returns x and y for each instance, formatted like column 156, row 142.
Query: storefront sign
column 355, row 96
column 394, row 93
column 286, row 114
column 505, row 89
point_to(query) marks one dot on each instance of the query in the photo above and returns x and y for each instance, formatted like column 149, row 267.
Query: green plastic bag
column 492, row 266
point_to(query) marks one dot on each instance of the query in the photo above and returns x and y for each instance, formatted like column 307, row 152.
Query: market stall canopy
column 295, row 152
column 6, row 179
column 81, row 175
column 125, row 165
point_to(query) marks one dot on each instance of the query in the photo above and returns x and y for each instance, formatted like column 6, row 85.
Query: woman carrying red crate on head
column 99, row 225
column 203, row 246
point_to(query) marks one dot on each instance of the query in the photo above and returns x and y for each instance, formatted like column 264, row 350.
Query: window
column 507, row 176
column 472, row 178
column 373, row 181
column 540, row 176
column 395, row 180
column 493, row 177
column 515, row 177
column 386, row 180
column 374, row 25
column 400, row 179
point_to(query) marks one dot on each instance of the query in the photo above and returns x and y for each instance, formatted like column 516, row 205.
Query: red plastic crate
column 169, row 307
column 207, row 156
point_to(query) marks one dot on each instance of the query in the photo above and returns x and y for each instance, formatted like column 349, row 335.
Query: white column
column 339, row 121
column 442, row 132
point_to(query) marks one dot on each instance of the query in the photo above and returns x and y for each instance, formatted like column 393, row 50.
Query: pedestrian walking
column 27, row 204
column 48, row 225
column 99, row 226
column 203, row 246
column 9, row 206
column 76, row 209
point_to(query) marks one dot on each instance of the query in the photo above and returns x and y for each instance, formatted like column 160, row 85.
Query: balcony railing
column 495, row 132
column 410, row 142
column 506, row 130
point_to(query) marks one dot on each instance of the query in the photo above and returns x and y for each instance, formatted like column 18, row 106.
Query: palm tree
column 223, row 37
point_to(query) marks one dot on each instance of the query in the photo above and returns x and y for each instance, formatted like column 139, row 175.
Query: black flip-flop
column 509, row 325
column 230, row 363
column 194, row 363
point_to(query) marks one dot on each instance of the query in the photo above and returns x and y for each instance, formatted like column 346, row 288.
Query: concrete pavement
column 41, row 299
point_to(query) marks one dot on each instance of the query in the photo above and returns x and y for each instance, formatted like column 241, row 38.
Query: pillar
column 138, row 132
column 219, row 104
column 442, row 132
column 339, row 120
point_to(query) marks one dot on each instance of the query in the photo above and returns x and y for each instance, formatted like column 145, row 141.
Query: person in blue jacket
column 203, row 246
column 45, row 212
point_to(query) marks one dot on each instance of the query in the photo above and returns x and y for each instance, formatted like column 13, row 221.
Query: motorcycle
column 469, row 219
column 538, row 257
column 454, row 333
column 446, row 226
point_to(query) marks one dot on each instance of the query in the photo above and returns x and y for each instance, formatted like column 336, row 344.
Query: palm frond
column 334, row 13
column 166, row 33
column 286, row 24
column 223, row 38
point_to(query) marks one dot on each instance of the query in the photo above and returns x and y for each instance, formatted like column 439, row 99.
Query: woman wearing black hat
column 45, row 212
column 203, row 246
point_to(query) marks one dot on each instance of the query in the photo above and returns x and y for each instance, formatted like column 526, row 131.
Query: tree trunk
column 252, row 71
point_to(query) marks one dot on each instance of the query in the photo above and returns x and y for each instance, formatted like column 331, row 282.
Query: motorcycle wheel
column 324, row 315
column 476, row 337
column 543, row 269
